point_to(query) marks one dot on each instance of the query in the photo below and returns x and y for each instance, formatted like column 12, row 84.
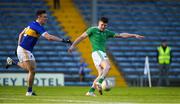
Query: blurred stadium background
column 155, row 19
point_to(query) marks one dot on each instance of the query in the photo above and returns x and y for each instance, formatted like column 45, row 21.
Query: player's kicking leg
column 94, row 86
column 102, row 64
column 105, row 65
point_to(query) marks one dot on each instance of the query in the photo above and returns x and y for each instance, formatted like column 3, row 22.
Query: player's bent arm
column 77, row 41
column 20, row 36
column 127, row 35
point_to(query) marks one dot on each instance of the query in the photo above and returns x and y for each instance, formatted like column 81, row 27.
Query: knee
column 32, row 72
column 107, row 67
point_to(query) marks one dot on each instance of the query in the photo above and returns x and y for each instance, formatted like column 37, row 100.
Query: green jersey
column 98, row 38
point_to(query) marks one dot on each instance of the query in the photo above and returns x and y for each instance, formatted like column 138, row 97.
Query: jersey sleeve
column 111, row 34
column 89, row 31
column 38, row 28
column 41, row 30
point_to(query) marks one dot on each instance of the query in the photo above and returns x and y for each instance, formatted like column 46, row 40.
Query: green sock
column 100, row 80
column 91, row 89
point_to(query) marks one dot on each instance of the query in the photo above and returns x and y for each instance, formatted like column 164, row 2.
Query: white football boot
column 30, row 94
column 9, row 62
column 90, row 94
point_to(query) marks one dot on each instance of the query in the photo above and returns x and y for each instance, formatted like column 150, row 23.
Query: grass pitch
column 76, row 95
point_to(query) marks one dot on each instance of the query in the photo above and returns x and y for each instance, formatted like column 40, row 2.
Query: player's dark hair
column 104, row 19
column 39, row 12
column 164, row 41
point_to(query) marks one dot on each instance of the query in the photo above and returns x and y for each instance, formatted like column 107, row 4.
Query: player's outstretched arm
column 55, row 38
column 77, row 41
column 127, row 35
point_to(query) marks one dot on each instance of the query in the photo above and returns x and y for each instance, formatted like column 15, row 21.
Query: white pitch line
column 66, row 101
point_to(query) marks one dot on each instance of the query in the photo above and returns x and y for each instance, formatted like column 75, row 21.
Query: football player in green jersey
column 98, row 36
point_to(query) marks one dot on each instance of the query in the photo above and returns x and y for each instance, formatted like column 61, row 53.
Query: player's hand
column 67, row 41
column 70, row 49
column 139, row 36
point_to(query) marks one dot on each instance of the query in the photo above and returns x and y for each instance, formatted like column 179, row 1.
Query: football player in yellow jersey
column 26, row 42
